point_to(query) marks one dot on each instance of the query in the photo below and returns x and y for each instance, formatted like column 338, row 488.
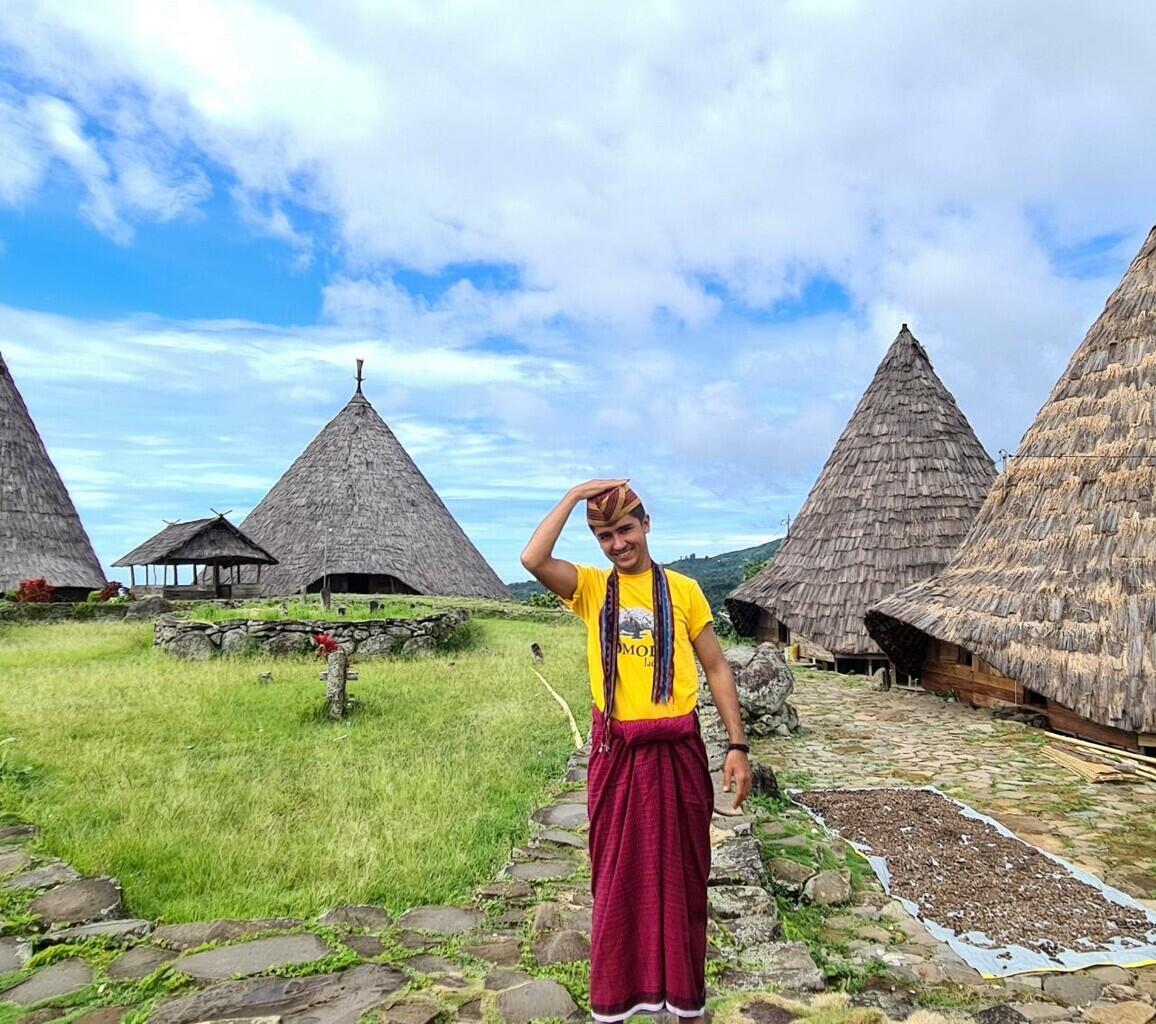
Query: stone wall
column 371, row 638
column 60, row 611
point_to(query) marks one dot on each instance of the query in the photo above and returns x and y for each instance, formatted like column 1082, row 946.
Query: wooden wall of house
column 948, row 668
column 770, row 629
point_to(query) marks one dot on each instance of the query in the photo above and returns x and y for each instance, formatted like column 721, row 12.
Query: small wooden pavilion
column 214, row 543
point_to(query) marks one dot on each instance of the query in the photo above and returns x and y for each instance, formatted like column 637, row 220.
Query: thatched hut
column 41, row 536
column 1051, row 599
column 354, row 514
column 214, row 543
column 893, row 501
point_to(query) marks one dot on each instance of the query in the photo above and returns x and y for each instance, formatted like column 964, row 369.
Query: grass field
column 208, row 794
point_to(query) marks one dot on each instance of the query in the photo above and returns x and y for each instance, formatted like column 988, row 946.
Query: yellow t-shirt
column 636, row 641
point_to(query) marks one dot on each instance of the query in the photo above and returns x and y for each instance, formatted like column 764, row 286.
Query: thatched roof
column 212, row 541
column 1055, row 585
column 892, row 503
column 40, row 532
column 354, row 502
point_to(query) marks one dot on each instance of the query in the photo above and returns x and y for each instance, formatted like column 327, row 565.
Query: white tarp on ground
column 1001, row 961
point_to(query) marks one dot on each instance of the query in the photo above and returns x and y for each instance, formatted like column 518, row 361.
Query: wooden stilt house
column 1050, row 602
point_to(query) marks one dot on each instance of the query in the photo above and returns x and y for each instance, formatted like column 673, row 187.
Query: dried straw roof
column 212, row 541
column 40, row 533
column 1055, row 585
column 892, row 503
column 354, row 502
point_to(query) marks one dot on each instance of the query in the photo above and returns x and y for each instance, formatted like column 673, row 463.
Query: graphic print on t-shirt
column 636, row 634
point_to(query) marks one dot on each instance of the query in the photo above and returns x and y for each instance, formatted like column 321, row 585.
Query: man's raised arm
column 556, row 574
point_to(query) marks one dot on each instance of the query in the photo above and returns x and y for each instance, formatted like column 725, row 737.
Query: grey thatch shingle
column 201, row 542
column 895, row 498
column 1055, row 584
column 40, row 533
column 354, row 502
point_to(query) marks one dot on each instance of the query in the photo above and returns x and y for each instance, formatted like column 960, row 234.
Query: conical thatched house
column 355, row 512
column 892, row 503
column 40, row 532
column 1051, row 600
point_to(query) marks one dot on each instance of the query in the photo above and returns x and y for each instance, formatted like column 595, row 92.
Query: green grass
column 208, row 794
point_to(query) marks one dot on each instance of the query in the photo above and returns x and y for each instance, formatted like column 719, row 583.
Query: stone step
column 254, row 957
column 54, row 982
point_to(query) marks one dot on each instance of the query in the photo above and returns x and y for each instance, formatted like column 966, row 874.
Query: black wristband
column 744, row 747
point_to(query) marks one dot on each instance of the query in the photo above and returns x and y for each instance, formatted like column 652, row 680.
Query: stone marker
column 372, row 918
column 43, row 878
column 123, row 930
column 541, row 997
column 443, row 920
column 333, row 998
column 89, row 899
column 198, row 933
column 53, row 982
column 252, row 957
column 336, row 670
column 139, row 963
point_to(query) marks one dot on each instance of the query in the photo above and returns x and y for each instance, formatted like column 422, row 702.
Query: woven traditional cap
column 607, row 508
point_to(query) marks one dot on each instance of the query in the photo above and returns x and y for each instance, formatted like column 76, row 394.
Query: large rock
column 53, row 982
column 789, row 876
column 254, row 957
column 192, row 645
column 764, row 684
column 536, row 999
column 785, row 965
column 80, row 902
column 756, row 929
column 199, row 933
column 330, row 998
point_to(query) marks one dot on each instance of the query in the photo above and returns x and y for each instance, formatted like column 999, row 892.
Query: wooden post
column 132, row 577
column 216, row 580
column 336, row 668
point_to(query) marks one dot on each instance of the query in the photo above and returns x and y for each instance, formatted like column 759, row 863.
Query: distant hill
column 718, row 574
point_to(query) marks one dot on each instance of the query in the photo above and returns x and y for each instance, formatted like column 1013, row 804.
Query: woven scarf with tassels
column 662, row 688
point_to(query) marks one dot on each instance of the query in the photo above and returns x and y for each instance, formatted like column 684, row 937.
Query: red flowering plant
column 110, row 590
column 35, row 591
column 325, row 644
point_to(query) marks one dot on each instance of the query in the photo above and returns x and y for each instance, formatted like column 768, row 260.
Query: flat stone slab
column 373, row 919
column 14, row 954
column 13, row 860
column 252, row 957
column 330, row 998
column 503, row 952
column 536, row 999
column 443, row 920
column 17, row 833
column 543, row 870
column 425, row 963
column 53, row 982
column 124, row 930
column 139, row 963
column 560, row 837
column 728, row 902
column 498, row 981
column 413, row 1011
column 505, row 889
column 785, row 965
column 80, row 902
column 569, row 815
column 43, row 878
column 368, row 946
column 737, row 863
column 565, row 947
column 103, row 1015
column 197, row 933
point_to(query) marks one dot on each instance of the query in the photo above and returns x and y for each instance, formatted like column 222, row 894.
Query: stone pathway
column 520, row 951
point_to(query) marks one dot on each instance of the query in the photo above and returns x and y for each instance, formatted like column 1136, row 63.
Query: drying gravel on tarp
column 1004, row 906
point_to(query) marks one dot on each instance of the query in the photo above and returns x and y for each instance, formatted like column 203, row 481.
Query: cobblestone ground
column 799, row 930
column 856, row 736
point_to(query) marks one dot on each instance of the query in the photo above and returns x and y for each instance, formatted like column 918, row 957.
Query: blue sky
column 569, row 242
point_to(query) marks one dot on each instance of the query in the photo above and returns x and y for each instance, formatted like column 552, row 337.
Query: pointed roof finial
column 360, row 378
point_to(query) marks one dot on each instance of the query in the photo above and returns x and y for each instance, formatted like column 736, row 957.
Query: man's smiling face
column 624, row 543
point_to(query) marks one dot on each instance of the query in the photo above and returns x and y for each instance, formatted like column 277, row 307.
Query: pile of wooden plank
column 1096, row 763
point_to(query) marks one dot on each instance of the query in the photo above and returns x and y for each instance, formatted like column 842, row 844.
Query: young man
column 650, row 793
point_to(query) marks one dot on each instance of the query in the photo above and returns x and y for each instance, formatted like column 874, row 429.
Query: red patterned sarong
column 650, row 803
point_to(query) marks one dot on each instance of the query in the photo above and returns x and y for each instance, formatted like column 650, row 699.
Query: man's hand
column 737, row 772
column 593, row 488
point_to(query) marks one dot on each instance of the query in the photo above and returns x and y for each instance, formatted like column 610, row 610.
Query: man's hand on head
column 737, row 773
column 593, row 488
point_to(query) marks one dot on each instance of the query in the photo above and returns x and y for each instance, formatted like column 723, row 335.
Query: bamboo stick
column 1087, row 769
column 1107, row 751
column 565, row 707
